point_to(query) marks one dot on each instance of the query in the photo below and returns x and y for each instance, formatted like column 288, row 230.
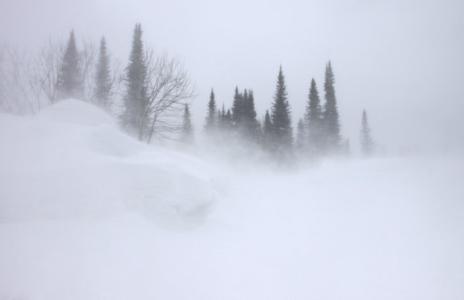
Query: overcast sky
column 402, row 60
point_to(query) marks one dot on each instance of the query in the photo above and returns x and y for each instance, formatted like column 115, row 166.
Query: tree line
column 148, row 95
column 155, row 91
column 318, row 131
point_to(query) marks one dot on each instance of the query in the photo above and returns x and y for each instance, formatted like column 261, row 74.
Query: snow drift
column 72, row 160
column 81, row 206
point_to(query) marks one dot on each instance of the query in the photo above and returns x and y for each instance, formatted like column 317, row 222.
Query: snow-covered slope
column 84, row 209
column 72, row 160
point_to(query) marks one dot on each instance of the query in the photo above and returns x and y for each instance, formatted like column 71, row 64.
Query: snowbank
column 355, row 230
column 72, row 160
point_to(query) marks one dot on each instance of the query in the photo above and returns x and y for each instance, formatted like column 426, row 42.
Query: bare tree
column 15, row 93
column 45, row 70
column 46, row 67
column 168, row 89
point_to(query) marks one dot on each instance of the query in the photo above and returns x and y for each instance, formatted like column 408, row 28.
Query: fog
column 400, row 60
column 121, row 178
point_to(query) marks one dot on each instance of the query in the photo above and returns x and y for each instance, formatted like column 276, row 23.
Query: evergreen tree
column 280, row 115
column 212, row 118
column 250, row 123
column 331, row 120
column 301, row 135
column 221, row 117
column 267, row 131
column 314, row 120
column 69, row 82
column 367, row 145
column 103, row 77
column 187, row 129
column 237, row 107
column 134, row 118
column 229, row 119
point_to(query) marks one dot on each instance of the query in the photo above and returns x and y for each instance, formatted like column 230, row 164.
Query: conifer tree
column 250, row 123
column 187, row 129
column 237, row 107
column 229, row 118
column 367, row 145
column 314, row 120
column 301, row 135
column 221, row 117
column 267, row 131
column 103, row 77
column 69, row 82
column 212, row 117
column 280, row 116
column 135, row 100
column 331, row 119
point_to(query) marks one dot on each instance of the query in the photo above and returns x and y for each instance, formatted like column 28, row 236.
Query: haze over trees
column 213, row 114
column 152, row 100
column 367, row 144
column 318, row 130
column 103, row 80
column 134, row 117
column 69, row 78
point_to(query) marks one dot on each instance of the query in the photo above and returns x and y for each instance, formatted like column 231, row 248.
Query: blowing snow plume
column 85, row 208
column 205, row 150
column 72, row 160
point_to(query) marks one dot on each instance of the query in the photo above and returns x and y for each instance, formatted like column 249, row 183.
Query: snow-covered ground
column 88, row 213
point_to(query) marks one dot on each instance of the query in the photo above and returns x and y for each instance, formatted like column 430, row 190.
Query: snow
column 86, row 212
column 72, row 160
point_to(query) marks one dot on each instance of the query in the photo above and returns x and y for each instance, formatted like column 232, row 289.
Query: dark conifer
column 314, row 120
column 103, row 77
column 301, row 136
column 69, row 83
column 267, row 131
column 135, row 100
column 212, row 117
column 280, row 115
column 237, row 107
column 187, row 129
column 250, row 123
column 229, row 119
column 331, row 119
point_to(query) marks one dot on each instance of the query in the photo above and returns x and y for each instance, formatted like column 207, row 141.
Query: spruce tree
column 212, row 118
column 221, row 118
column 367, row 145
column 314, row 120
column 267, row 131
column 133, row 118
column 229, row 121
column 281, row 124
column 301, row 135
column 331, row 119
column 237, row 107
column 103, row 77
column 187, row 129
column 250, row 123
column 69, row 82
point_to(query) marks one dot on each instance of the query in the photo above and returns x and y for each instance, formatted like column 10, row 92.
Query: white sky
column 401, row 60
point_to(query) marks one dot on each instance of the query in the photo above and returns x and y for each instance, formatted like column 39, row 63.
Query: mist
column 143, row 165
column 400, row 60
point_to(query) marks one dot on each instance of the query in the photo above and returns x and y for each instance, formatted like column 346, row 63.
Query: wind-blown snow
column 72, row 160
column 88, row 213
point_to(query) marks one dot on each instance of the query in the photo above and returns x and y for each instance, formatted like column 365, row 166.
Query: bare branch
column 168, row 89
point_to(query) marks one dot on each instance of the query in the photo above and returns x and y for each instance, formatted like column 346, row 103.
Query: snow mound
column 76, row 112
column 72, row 160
